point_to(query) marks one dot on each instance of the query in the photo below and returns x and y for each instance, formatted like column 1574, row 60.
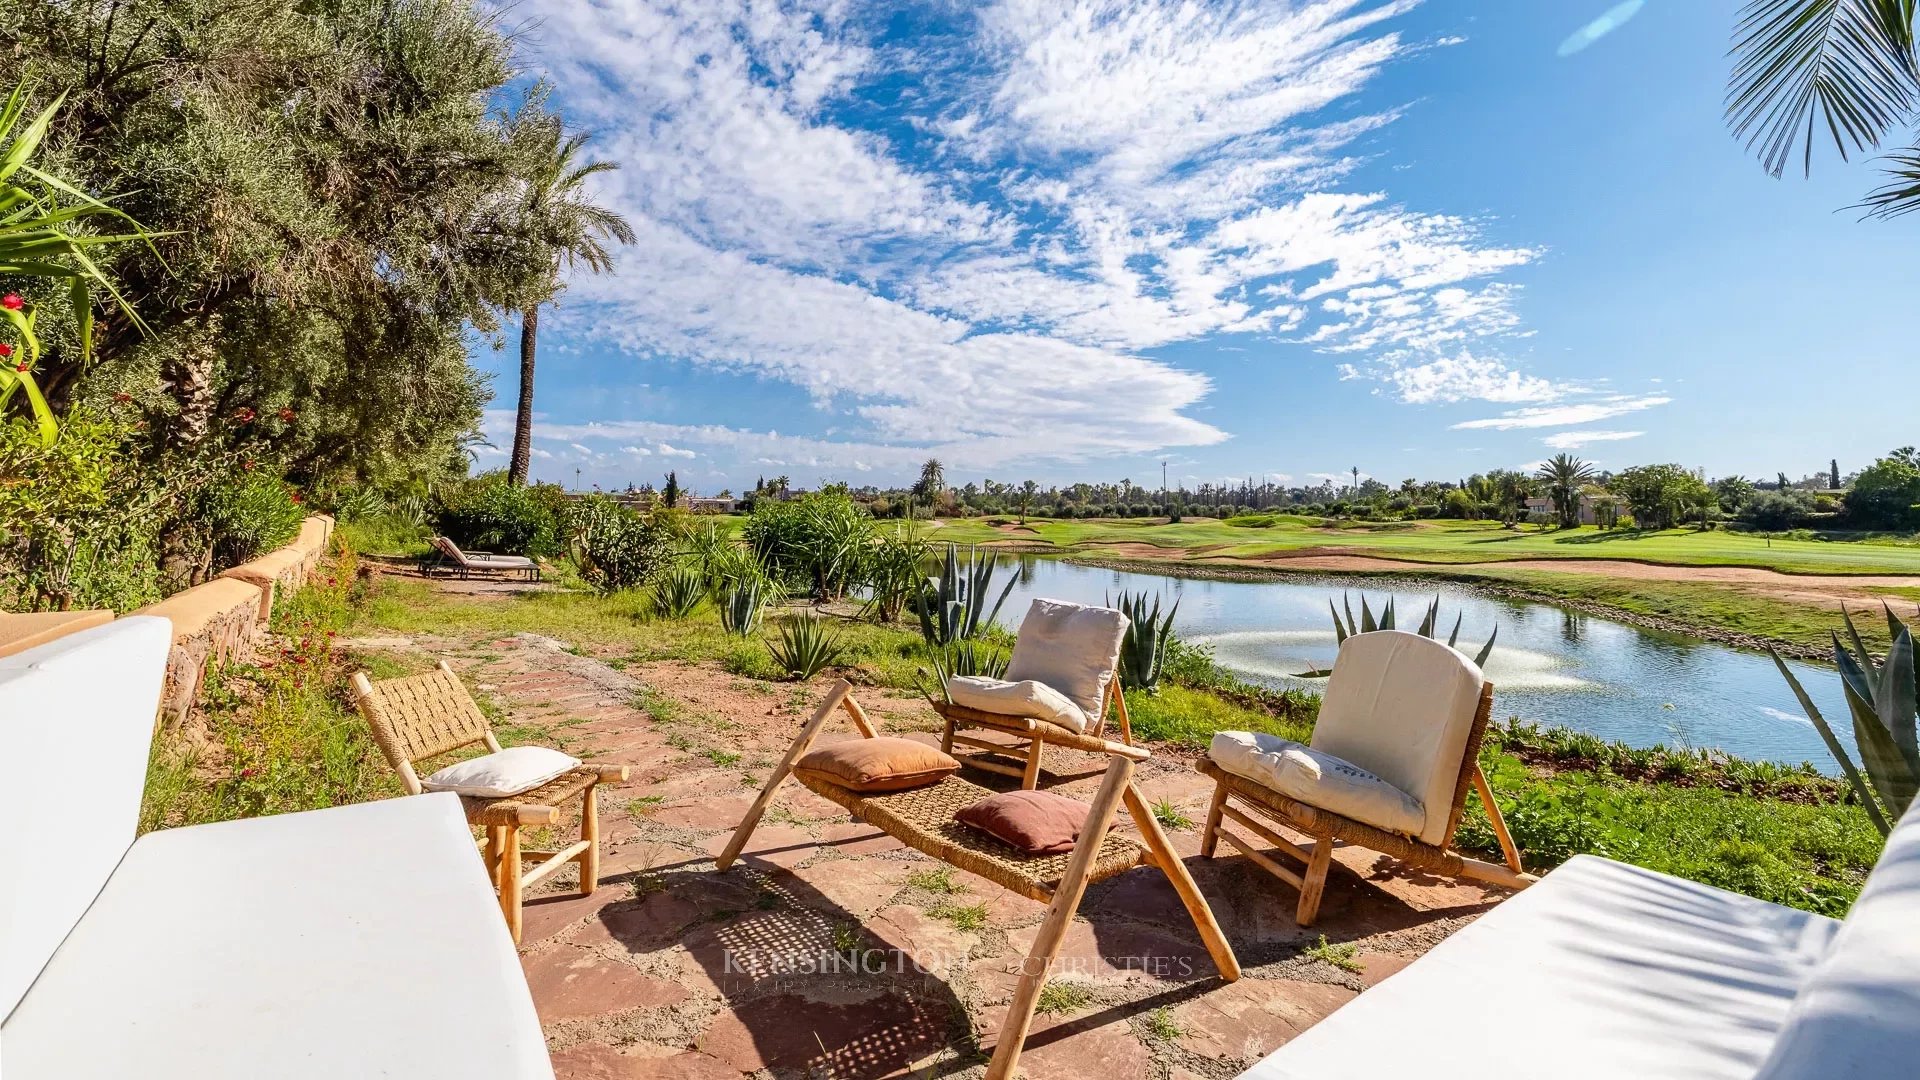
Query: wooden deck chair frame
column 424, row 716
column 446, row 555
column 1097, row 855
column 1027, row 735
column 1245, row 802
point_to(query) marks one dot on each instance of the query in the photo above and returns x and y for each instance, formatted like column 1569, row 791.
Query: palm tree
column 933, row 480
column 1564, row 474
column 557, row 214
column 1848, row 66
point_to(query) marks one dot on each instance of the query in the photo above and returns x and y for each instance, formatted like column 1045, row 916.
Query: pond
column 1549, row 665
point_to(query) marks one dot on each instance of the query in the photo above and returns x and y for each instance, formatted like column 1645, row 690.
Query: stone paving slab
column 672, row 969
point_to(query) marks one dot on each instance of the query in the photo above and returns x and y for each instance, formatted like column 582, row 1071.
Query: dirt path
column 1824, row 590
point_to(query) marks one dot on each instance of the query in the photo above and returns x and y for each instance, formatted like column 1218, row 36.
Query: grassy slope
column 1468, row 542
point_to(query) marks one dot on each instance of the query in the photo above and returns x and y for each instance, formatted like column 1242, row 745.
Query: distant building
column 712, row 505
column 1540, row 508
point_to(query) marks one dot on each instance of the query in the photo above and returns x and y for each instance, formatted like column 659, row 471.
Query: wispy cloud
column 1054, row 187
column 1584, row 412
column 1574, row 440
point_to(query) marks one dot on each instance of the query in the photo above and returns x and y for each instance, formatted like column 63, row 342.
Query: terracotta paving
column 673, row 969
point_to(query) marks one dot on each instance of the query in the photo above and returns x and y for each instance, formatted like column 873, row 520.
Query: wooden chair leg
column 800, row 743
column 946, row 740
column 1046, row 944
column 1030, row 776
column 1498, row 820
column 1170, row 864
column 510, row 879
column 1315, row 882
column 1210, row 835
column 590, row 833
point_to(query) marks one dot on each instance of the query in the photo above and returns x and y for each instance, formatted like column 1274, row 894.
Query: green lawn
column 1464, row 542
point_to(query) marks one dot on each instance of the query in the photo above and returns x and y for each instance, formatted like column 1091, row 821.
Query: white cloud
column 1466, row 378
column 667, row 450
column 1563, row 415
column 1573, row 440
column 1052, row 187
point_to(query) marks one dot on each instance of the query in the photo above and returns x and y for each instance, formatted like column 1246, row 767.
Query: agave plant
column 960, row 658
column 1882, row 698
column 742, row 607
column 1367, row 624
column 806, row 644
column 679, row 593
column 1145, row 648
column 952, row 606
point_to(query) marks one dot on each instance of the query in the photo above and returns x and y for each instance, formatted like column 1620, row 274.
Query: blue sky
column 1069, row 240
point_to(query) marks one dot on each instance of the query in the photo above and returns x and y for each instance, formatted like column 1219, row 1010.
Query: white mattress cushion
column 1401, row 707
column 1602, row 971
column 1071, row 647
column 1859, row 1014
column 502, row 773
column 1318, row 779
column 360, row 941
column 1024, row 698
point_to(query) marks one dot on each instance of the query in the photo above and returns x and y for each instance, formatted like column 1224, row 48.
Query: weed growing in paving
column 1170, row 815
column 1343, row 955
column 1160, row 1024
column 938, row 881
column 643, row 805
column 1060, row 996
column 960, row 917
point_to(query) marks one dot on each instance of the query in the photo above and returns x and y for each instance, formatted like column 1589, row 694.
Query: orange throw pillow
column 1036, row 822
column 876, row 764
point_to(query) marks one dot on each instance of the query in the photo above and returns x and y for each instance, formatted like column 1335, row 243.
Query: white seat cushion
column 1401, row 707
column 515, row 561
column 505, row 772
column 1602, row 971
column 361, row 941
column 1024, row 698
column 1317, row 779
column 1071, row 647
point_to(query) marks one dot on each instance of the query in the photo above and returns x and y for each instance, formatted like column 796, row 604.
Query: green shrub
column 248, row 516
column 806, row 645
column 677, row 594
column 819, row 540
column 489, row 514
column 615, row 547
column 78, row 519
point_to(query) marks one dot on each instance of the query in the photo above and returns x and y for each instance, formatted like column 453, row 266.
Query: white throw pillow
column 1025, row 698
column 508, row 772
column 1317, row 778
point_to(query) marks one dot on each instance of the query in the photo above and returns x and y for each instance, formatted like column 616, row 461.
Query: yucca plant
column 679, row 593
column 1367, row 624
column 894, row 572
column 36, row 209
column 1144, row 650
column 742, row 606
column 959, row 658
column 952, row 607
column 807, row 643
column 1882, row 699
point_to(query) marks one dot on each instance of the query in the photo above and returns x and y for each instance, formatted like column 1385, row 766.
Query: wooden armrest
column 516, row 814
column 1099, row 746
column 610, row 774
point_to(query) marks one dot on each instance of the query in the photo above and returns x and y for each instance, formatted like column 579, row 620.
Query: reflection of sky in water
column 1549, row 665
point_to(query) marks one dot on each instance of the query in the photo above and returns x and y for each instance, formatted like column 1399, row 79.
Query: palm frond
column 1849, row 64
column 1901, row 193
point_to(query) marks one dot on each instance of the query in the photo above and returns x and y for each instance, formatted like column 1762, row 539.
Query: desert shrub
column 492, row 515
column 249, row 515
column 895, row 571
column 615, row 547
column 819, row 541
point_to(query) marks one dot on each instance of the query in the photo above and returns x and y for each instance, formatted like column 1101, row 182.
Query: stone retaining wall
column 224, row 618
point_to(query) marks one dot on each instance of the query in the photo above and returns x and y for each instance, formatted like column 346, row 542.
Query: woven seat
column 423, row 716
column 923, row 819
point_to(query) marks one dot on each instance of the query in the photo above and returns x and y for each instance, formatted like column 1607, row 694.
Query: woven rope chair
column 922, row 818
column 1246, row 802
column 424, row 716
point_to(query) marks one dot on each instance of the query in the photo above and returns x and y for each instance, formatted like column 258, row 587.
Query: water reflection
column 1550, row 664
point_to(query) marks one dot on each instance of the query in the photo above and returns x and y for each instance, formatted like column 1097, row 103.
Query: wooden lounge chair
column 923, row 818
column 424, row 716
column 1073, row 649
column 448, row 556
column 1394, row 750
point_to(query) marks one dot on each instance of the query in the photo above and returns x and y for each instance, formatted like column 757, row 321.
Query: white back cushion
column 1072, row 648
column 1859, row 1014
column 1401, row 706
column 76, row 719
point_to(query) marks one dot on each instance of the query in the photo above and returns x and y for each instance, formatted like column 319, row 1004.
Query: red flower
column 247, row 465
column 246, row 774
column 243, row 414
column 297, row 500
column 12, row 302
column 123, row 398
column 5, row 349
column 21, row 368
column 286, row 416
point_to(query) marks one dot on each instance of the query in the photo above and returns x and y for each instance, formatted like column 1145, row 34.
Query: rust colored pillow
column 876, row 764
column 1036, row 822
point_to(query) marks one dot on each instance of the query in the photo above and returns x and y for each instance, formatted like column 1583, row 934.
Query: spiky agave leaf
column 1859, row 783
column 1892, row 772
column 1487, row 649
column 1339, row 628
